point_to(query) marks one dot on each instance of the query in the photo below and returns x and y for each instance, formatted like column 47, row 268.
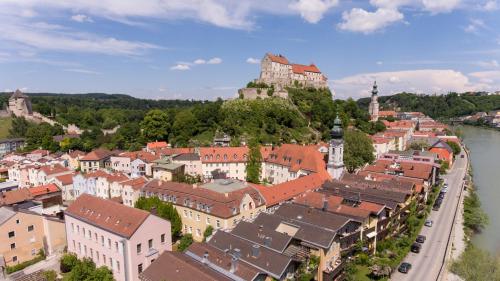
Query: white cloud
column 428, row 81
column 491, row 5
column 253, row 61
column 440, row 6
column 313, row 10
column 82, row 71
column 46, row 36
column 200, row 61
column 215, row 60
column 379, row 62
column 180, row 66
column 488, row 64
column 359, row 20
column 474, row 26
column 81, row 18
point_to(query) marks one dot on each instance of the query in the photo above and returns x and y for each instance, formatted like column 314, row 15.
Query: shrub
column 208, row 231
column 185, row 242
column 68, row 262
column 23, row 265
column 50, row 275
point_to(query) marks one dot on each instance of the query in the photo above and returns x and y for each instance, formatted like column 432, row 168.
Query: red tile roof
column 43, row 189
column 334, row 204
column 136, row 183
column 387, row 113
column 298, row 157
column 171, row 151
column 106, row 214
column 288, row 190
column 301, row 69
column 43, row 152
column 76, row 153
column 278, row 58
column 143, row 155
column 53, row 169
column 410, row 169
column 156, row 144
column 223, row 154
column 15, row 196
column 66, row 179
column 96, row 155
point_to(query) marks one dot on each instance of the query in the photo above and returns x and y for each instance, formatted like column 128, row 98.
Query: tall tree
column 155, row 125
column 254, row 166
column 164, row 210
column 358, row 150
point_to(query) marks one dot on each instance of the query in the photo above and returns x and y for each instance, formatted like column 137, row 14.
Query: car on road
column 420, row 239
column 428, row 223
column 461, row 156
column 404, row 267
column 436, row 207
column 416, row 247
column 441, row 195
column 444, row 190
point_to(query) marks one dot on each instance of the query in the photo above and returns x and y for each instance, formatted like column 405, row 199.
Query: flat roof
column 225, row 185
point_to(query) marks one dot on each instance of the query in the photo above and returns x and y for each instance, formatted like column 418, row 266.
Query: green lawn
column 5, row 124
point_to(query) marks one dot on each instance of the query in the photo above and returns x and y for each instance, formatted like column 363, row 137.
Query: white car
column 444, row 190
column 428, row 223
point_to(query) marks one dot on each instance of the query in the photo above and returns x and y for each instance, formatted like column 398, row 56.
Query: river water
column 484, row 146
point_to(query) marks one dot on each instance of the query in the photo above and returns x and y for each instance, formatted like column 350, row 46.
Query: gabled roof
column 288, row 190
column 66, row 179
column 136, row 183
column 106, row 214
column 5, row 214
column 54, row 169
column 226, row 154
column 277, row 58
column 18, row 94
column 15, row 196
column 156, row 144
column 302, row 69
column 43, row 189
column 97, row 154
column 443, row 145
column 298, row 157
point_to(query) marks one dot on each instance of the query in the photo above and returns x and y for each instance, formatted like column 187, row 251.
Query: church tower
column 335, row 166
column 374, row 106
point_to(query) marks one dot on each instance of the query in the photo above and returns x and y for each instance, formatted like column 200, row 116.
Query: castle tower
column 20, row 104
column 374, row 106
column 335, row 166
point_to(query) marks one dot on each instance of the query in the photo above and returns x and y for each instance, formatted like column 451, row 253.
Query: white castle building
column 278, row 71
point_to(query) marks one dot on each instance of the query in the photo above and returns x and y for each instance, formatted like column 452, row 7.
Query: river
column 484, row 146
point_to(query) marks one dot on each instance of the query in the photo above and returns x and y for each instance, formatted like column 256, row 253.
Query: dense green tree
column 185, row 242
column 358, row 150
column 208, row 232
column 455, row 147
column 155, row 125
column 68, row 261
column 254, row 166
column 164, row 210
column 19, row 127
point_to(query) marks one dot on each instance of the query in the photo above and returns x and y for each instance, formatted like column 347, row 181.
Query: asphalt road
column 427, row 263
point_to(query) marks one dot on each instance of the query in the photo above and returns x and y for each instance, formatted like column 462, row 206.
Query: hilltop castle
column 278, row 71
column 20, row 104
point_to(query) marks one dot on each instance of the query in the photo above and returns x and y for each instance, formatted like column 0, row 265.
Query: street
column 427, row 264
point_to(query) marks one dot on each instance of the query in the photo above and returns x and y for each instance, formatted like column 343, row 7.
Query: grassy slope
column 5, row 124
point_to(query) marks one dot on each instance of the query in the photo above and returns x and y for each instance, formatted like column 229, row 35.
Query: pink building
column 125, row 239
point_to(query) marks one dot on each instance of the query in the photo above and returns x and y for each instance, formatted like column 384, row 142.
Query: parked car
column 404, row 267
column 441, row 195
column 444, row 190
column 461, row 156
column 420, row 239
column 415, row 247
column 436, row 207
column 428, row 223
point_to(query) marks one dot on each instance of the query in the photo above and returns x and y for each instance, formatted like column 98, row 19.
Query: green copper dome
column 337, row 132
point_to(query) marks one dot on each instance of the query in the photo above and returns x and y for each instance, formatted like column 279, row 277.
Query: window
column 218, row 223
column 33, row 252
column 14, row 258
column 102, row 240
column 150, row 243
column 190, row 214
column 103, row 258
column 208, row 220
column 185, row 213
column 111, row 262
column 116, row 246
column 84, row 250
column 198, row 232
column 139, row 268
column 18, row 221
column 139, row 248
column 72, row 227
column 90, row 234
column 162, row 238
column 91, row 253
column 118, row 266
column 12, row 246
column 198, row 217
column 12, row 234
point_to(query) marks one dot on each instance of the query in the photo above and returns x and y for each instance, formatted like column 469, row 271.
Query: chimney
column 234, row 264
column 325, row 204
column 205, row 258
column 255, row 251
column 267, row 241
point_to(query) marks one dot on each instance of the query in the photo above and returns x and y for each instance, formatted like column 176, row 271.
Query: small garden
column 39, row 257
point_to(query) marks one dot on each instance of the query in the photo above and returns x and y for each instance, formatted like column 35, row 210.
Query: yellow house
column 220, row 203
column 24, row 233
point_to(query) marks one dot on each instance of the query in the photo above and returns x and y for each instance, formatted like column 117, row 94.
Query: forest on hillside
column 438, row 106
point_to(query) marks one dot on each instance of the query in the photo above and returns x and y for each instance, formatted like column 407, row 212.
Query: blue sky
column 203, row 49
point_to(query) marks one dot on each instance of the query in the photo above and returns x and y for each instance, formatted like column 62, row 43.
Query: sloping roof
column 187, row 157
column 278, row 58
column 156, row 144
column 262, row 235
column 43, row 189
column 333, row 204
column 18, row 94
column 224, row 205
column 136, row 183
column 96, row 155
column 288, row 190
column 224, row 154
column 54, row 169
column 410, row 169
column 15, row 196
column 66, row 179
column 301, row 69
column 298, row 157
column 76, row 153
column 106, row 214
column 178, row 266
column 6, row 214
column 443, row 145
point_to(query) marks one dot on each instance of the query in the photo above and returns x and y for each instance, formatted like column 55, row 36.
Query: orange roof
column 66, row 179
column 43, row 189
column 288, row 190
column 419, row 183
column 43, row 152
column 136, row 183
column 143, row 155
column 400, row 124
column 15, row 196
column 277, row 58
column 387, row 113
column 410, row 169
column 55, row 169
column 301, row 69
column 298, row 157
column 334, row 204
column 156, row 144
column 96, row 155
column 171, row 151
column 223, row 154
column 107, row 214
column 378, row 140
